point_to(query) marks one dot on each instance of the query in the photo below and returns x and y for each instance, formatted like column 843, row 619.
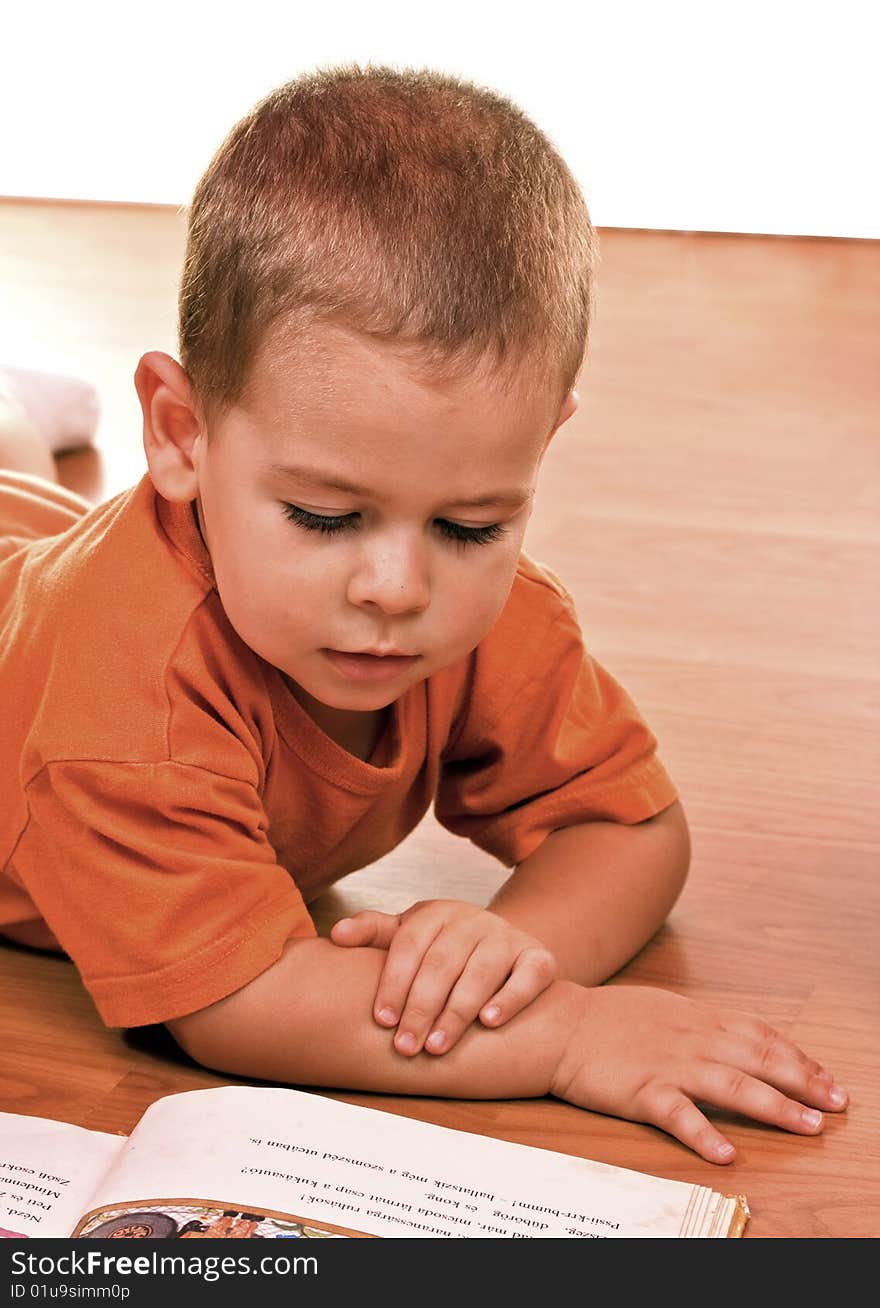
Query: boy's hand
column 650, row 1056
column 448, row 962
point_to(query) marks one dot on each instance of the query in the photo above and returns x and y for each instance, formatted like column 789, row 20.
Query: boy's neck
column 355, row 731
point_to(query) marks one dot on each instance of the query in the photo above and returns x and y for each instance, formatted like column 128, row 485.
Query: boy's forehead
column 305, row 365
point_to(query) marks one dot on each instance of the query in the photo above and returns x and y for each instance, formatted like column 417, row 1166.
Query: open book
column 249, row 1161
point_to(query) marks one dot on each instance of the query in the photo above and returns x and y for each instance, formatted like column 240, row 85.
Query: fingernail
column 810, row 1117
column 838, row 1096
column 387, row 1015
column 406, row 1043
column 725, row 1150
column 436, row 1040
column 492, row 1013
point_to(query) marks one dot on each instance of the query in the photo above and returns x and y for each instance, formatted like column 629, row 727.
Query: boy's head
column 410, row 206
column 384, row 309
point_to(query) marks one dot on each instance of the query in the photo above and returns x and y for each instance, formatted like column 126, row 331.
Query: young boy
column 255, row 671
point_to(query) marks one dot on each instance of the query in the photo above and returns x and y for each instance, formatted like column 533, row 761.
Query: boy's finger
column 532, row 974
column 406, row 955
column 678, row 1115
column 488, row 972
column 771, row 1041
column 367, row 928
column 483, row 975
column 441, row 971
column 735, row 1091
column 772, row 1062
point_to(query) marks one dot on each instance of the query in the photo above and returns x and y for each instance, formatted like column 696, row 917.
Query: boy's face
column 337, row 506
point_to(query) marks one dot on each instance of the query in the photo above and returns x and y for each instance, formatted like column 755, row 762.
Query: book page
column 48, row 1171
column 264, row 1162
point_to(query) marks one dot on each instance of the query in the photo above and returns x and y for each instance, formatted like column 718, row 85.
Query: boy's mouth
column 365, row 666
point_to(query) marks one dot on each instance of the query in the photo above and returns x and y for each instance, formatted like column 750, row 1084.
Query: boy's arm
column 645, row 1054
column 595, row 893
column 308, row 1020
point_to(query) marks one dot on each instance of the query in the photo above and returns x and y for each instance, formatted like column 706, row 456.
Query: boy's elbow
column 681, row 850
column 671, row 830
column 208, row 1038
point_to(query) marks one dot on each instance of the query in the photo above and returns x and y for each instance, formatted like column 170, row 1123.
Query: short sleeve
column 158, row 880
column 548, row 739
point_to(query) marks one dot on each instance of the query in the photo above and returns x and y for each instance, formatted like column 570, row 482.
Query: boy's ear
column 568, row 407
column 172, row 425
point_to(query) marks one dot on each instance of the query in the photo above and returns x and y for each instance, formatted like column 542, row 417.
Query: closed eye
column 332, row 525
column 328, row 526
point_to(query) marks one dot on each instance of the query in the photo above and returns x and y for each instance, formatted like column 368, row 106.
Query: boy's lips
column 386, row 653
column 366, row 666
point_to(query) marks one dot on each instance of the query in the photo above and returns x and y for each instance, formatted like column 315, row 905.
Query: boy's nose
column 395, row 579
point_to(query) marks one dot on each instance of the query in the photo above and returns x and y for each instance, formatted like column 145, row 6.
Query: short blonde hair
column 409, row 205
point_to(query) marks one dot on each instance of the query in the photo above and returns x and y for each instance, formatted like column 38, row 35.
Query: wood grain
column 713, row 509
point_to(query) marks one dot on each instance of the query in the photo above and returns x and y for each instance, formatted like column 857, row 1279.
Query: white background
column 741, row 115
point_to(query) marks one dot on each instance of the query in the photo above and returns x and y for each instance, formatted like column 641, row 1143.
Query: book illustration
column 191, row 1220
column 133, row 1224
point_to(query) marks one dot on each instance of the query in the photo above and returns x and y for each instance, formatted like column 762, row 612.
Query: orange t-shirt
column 169, row 808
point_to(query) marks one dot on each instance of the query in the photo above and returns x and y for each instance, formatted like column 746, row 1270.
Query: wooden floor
column 714, row 509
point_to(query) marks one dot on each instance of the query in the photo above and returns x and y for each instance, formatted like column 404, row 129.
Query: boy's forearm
column 595, row 893
column 308, row 1020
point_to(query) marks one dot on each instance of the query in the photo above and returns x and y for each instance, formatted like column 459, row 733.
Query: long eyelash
column 318, row 521
column 331, row 526
column 471, row 535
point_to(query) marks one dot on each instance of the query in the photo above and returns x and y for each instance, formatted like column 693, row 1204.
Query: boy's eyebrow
column 496, row 499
